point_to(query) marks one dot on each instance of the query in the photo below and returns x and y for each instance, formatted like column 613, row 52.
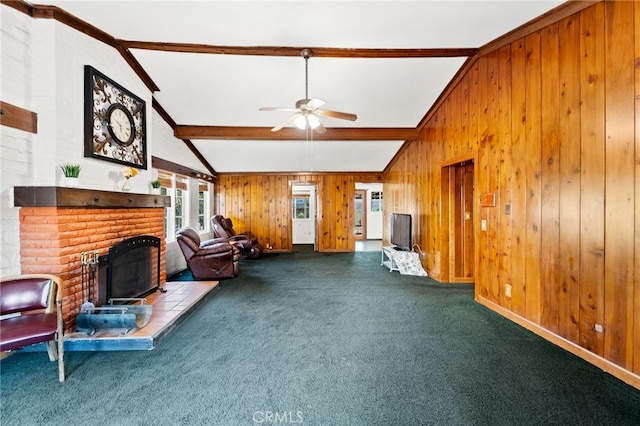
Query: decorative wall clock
column 115, row 122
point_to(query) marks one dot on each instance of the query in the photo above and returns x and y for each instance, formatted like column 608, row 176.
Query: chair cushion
column 16, row 332
column 215, row 249
column 227, row 224
column 213, row 241
column 218, row 228
column 24, row 294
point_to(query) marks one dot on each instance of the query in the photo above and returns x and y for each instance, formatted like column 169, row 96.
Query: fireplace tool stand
column 89, row 262
column 107, row 318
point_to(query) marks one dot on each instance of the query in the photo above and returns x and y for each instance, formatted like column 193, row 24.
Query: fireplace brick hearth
column 53, row 232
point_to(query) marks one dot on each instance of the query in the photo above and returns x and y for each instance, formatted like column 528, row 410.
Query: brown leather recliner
column 208, row 260
column 247, row 241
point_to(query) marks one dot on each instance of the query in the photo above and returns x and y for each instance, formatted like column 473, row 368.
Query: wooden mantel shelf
column 56, row 196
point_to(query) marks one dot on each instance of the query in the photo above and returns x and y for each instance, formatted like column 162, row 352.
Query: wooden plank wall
column 554, row 121
column 262, row 204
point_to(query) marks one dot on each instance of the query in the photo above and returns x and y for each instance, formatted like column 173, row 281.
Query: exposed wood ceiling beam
column 53, row 12
column 170, row 166
column 37, row 11
column 327, row 52
column 18, row 118
column 19, row 5
column 294, row 134
column 137, row 68
column 170, row 121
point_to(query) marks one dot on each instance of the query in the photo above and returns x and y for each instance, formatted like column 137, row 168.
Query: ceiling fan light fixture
column 313, row 121
column 304, row 121
column 300, row 122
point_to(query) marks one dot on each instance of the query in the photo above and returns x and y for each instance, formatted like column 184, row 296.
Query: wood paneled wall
column 262, row 204
column 553, row 123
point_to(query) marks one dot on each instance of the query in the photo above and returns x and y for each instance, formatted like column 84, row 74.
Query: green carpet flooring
column 324, row 339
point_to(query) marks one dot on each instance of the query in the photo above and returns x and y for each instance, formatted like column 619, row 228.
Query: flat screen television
column 401, row 230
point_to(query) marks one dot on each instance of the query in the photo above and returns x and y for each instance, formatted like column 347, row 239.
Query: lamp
column 307, row 119
column 300, row 122
column 313, row 120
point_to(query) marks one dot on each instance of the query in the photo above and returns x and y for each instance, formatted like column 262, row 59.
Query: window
column 203, row 206
column 165, row 191
column 190, row 202
column 181, row 201
column 176, row 216
column 300, row 206
column 376, row 201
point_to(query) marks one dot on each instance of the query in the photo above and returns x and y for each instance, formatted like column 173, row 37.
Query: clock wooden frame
column 101, row 93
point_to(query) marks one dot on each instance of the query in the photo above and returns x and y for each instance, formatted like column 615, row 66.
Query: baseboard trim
column 607, row 366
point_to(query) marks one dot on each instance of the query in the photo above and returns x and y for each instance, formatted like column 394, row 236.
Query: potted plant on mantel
column 71, row 173
column 155, row 186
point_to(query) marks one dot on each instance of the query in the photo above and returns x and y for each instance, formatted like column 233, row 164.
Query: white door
column 304, row 214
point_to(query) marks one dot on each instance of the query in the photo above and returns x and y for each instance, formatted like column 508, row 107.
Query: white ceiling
column 228, row 90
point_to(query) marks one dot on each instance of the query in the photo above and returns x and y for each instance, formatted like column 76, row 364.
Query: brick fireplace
column 57, row 224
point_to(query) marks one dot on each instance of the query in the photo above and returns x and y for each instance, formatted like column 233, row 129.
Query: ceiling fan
column 308, row 110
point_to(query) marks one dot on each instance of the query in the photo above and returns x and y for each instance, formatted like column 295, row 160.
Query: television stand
column 388, row 258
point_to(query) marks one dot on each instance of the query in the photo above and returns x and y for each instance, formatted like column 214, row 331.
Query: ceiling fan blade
column 309, row 104
column 279, row 109
column 315, row 103
column 285, row 122
column 336, row 114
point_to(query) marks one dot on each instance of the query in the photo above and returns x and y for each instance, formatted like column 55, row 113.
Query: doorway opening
column 304, row 235
column 368, row 216
column 360, row 206
column 457, row 194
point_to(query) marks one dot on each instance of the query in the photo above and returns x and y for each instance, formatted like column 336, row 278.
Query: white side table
column 387, row 260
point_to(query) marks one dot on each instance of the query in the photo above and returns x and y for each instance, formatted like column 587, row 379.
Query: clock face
column 120, row 124
column 115, row 122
